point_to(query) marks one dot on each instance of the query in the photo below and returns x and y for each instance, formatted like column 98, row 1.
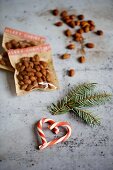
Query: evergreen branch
column 80, row 90
column 91, row 100
column 79, row 97
column 86, row 116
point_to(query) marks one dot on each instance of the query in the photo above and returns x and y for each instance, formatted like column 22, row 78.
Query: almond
column 68, row 33
column 77, row 23
column 58, row 24
column 86, row 29
column 55, row 12
column 63, row 13
column 71, row 46
column 72, row 17
column 99, row 32
column 89, row 45
column 71, row 72
column 66, row 56
column 71, row 24
column 81, row 17
column 82, row 59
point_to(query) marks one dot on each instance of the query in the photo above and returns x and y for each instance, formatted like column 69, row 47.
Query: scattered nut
column 82, row 59
column 72, row 17
column 58, row 24
column 99, row 32
column 63, row 13
column 71, row 46
column 66, row 56
column 68, row 33
column 71, row 72
column 81, row 17
column 89, row 45
column 71, row 24
column 86, row 29
column 77, row 23
column 55, row 12
column 81, row 31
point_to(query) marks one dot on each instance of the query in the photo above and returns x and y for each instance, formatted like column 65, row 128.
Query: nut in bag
column 5, row 62
column 14, row 39
column 33, row 69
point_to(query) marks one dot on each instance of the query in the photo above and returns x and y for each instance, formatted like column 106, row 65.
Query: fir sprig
column 79, row 97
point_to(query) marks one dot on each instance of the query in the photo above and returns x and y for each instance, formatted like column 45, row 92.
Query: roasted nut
column 68, row 33
column 39, row 79
column 77, row 35
column 91, row 22
column 38, row 74
column 35, row 83
column 43, row 63
column 22, row 68
column 43, row 71
column 8, row 45
column 72, row 16
column 77, row 23
column 48, row 77
column 27, row 81
column 23, row 87
column 71, row 46
column 26, row 64
column 36, row 57
column 71, row 72
column 26, row 77
column 86, row 29
column 58, row 24
column 71, row 24
column 82, row 59
column 30, row 74
column 32, row 78
column 31, row 64
column 84, row 23
column 92, row 27
column 21, row 83
column 24, row 73
column 80, row 31
column 29, row 69
column 37, row 68
column 25, row 59
column 19, row 77
column 66, row 56
column 81, row 17
column 29, row 87
column 63, row 14
column 89, row 45
column 99, row 32
column 55, row 12
column 36, row 62
column 2, row 62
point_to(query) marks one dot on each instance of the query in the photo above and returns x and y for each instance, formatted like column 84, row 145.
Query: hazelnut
column 71, row 72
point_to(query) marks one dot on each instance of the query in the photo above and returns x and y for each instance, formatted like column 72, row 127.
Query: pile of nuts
column 5, row 60
column 13, row 44
column 33, row 73
column 83, row 26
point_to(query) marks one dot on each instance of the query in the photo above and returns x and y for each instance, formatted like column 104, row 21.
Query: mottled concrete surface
column 88, row 148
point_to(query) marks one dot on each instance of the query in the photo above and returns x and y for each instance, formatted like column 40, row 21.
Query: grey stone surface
column 88, row 148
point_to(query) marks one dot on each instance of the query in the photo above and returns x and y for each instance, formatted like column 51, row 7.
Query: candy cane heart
column 57, row 140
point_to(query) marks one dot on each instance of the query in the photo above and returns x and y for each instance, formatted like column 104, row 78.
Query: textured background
column 88, row 148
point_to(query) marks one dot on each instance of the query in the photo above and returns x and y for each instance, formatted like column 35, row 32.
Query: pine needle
column 79, row 97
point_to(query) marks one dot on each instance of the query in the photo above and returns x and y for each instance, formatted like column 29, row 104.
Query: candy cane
column 39, row 128
column 54, row 127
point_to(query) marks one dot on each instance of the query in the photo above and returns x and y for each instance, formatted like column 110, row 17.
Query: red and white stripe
column 54, row 127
